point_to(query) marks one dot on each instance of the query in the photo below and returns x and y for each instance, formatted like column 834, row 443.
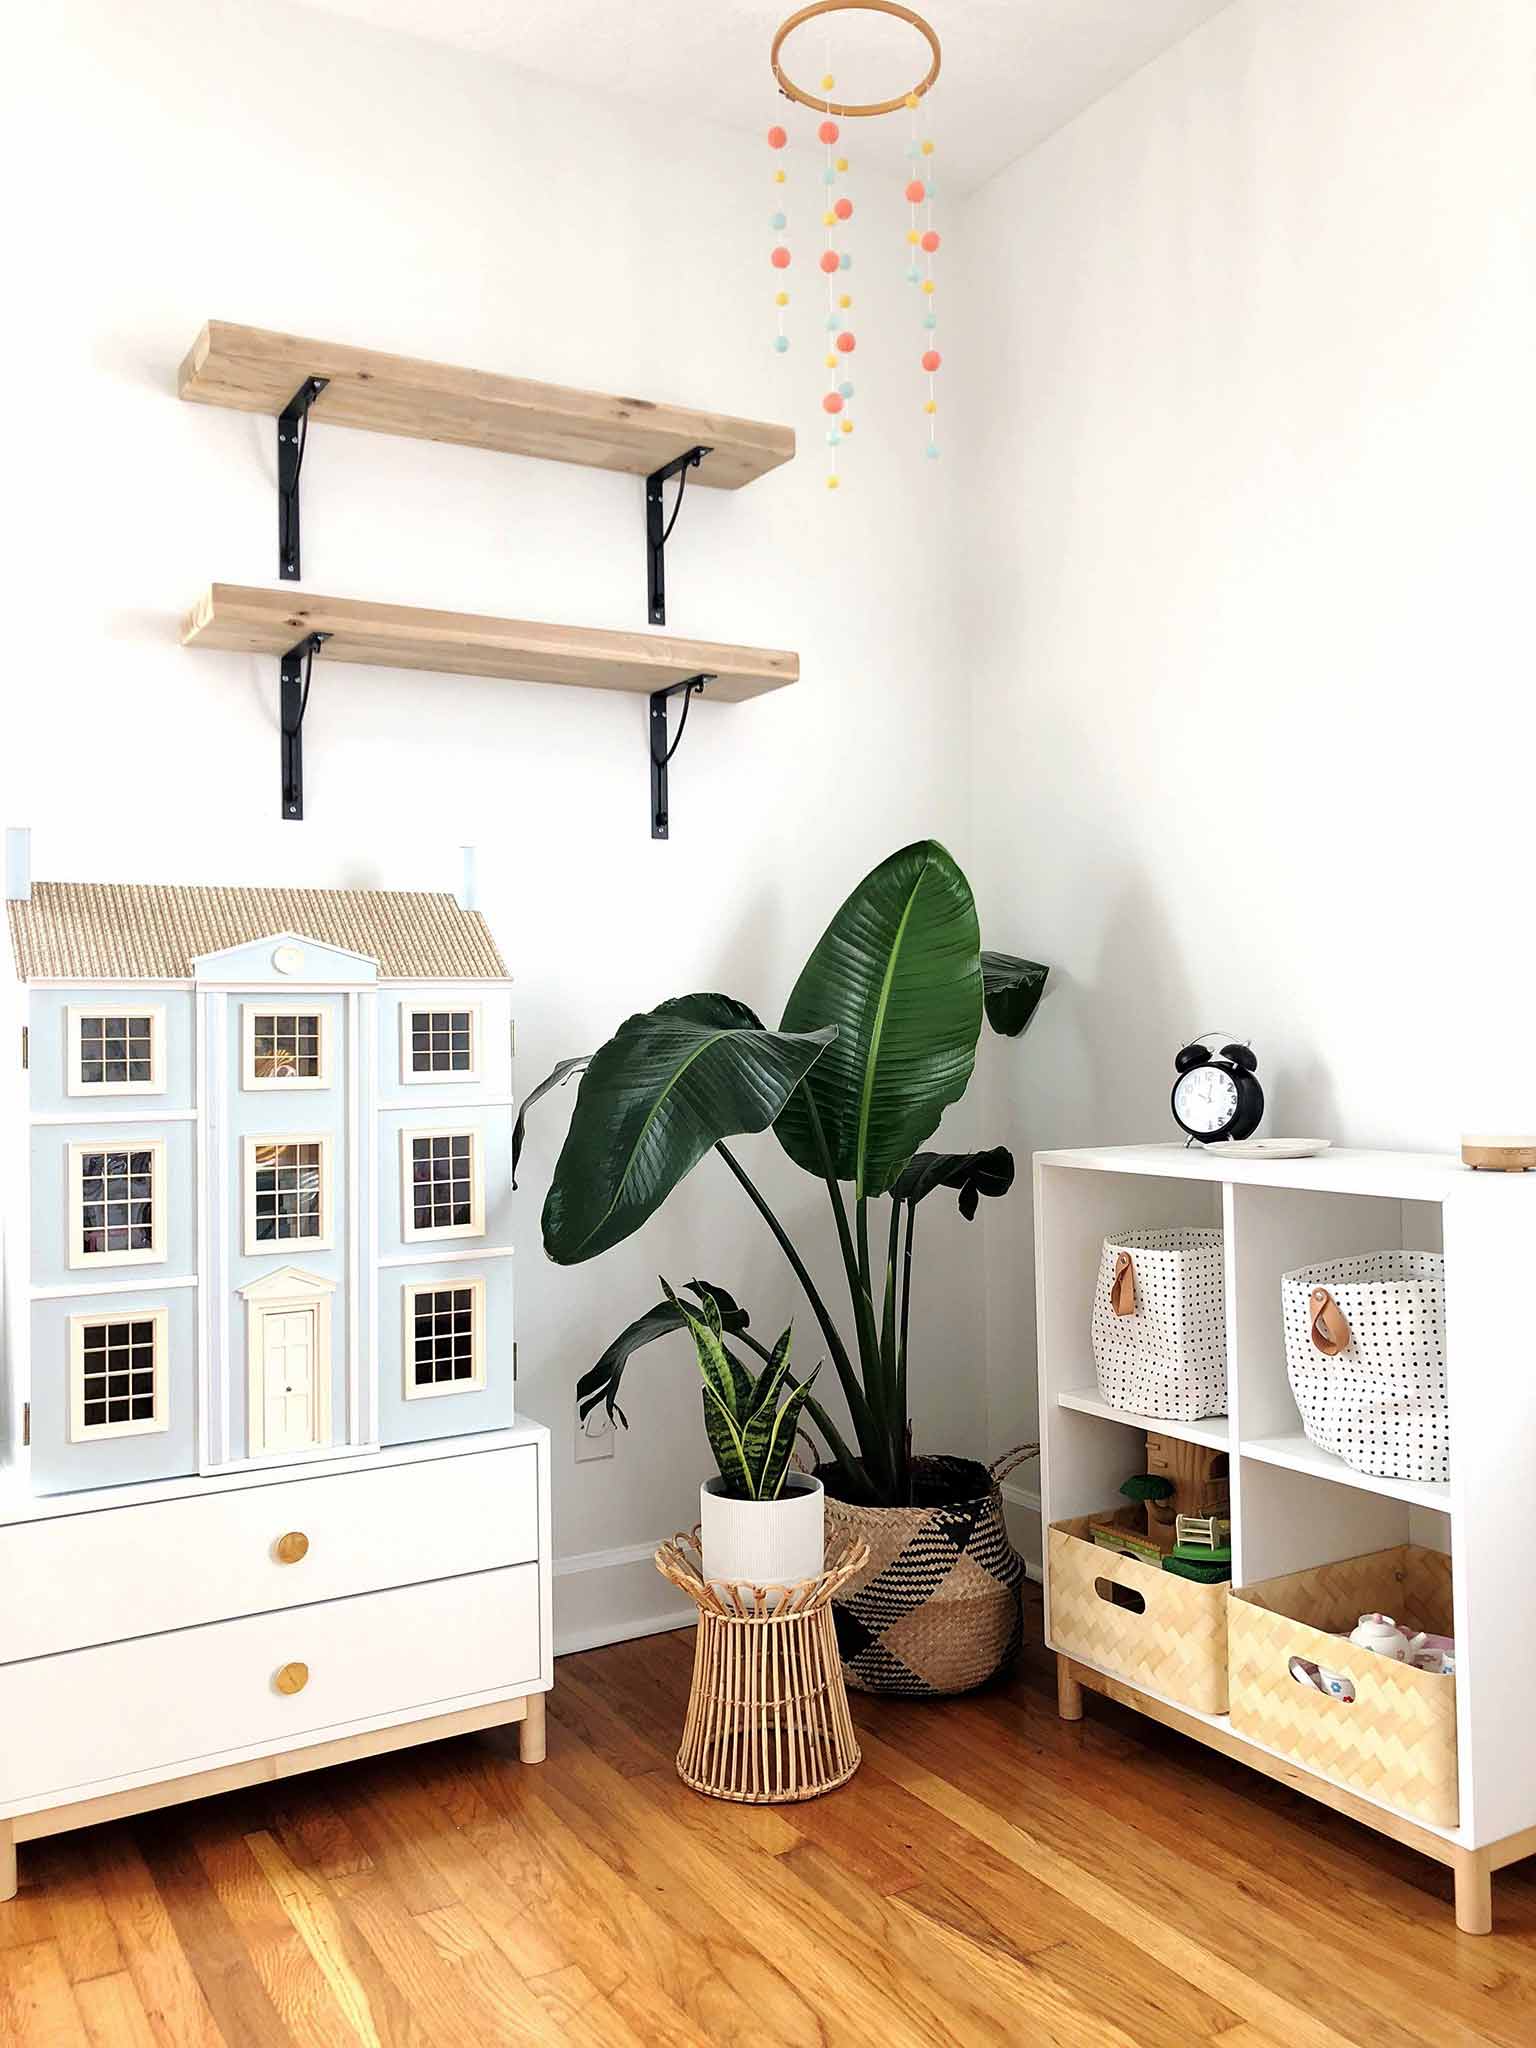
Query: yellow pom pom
column 831, row 362
column 846, row 425
column 911, row 99
column 842, row 163
column 931, row 405
column 778, row 177
column 827, row 81
column 927, row 284
column 832, row 481
column 927, row 149
column 913, row 238
column 844, row 299
column 781, row 298
column 829, row 220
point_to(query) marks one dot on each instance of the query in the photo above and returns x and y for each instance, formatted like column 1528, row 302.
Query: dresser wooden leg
column 7, row 1860
column 1069, row 1694
column 1474, row 1892
column 530, row 1731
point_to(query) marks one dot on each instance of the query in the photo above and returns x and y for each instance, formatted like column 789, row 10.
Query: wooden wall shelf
column 300, row 382
column 234, row 618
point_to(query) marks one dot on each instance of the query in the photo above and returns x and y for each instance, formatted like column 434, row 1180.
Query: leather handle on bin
column 1122, row 1288
column 1330, row 1329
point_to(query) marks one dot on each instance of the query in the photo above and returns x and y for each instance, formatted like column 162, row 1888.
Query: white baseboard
column 612, row 1596
column 1024, row 1525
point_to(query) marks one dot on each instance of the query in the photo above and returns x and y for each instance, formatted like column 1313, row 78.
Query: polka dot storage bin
column 1160, row 1324
column 1365, row 1350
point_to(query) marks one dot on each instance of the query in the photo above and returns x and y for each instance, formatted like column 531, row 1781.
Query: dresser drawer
column 74, row 1580
column 165, row 1702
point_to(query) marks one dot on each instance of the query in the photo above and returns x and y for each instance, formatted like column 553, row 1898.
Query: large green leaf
column 666, row 1087
column 1013, row 990
column 601, row 1381
column 898, row 972
column 970, row 1174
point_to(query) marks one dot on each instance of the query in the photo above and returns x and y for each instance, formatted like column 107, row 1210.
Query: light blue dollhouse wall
column 325, row 1088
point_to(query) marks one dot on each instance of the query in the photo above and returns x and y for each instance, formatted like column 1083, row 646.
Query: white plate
column 1274, row 1148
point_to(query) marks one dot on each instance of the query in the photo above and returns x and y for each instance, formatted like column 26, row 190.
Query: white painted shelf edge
column 1297, row 1454
column 1214, row 1431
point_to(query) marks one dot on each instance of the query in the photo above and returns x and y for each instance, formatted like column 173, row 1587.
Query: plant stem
column 863, row 1306
column 858, row 1406
column 901, row 1349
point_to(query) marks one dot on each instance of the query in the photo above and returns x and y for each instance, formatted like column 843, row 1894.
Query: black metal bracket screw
column 658, row 533
column 661, row 753
column 292, row 433
column 296, row 669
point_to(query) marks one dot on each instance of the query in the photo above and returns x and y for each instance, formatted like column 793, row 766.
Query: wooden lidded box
column 1155, row 1630
column 1396, row 1740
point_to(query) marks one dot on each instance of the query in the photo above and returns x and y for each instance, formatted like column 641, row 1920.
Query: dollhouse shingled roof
column 137, row 931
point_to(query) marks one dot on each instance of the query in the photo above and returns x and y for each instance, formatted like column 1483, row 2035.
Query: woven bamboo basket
column 1396, row 1740
column 1175, row 1645
column 768, row 1718
column 936, row 1609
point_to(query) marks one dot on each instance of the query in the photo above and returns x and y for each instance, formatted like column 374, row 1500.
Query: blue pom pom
column 781, row 342
column 845, row 261
column 930, row 319
column 914, row 149
column 834, row 321
column 845, row 390
column 932, row 451
column 829, row 176
column 777, row 220
column 913, row 274
column 834, row 435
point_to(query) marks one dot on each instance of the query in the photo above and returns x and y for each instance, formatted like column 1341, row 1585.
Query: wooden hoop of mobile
column 792, row 91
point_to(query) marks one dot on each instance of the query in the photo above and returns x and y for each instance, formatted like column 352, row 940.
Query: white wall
column 1246, row 573
column 190, row 158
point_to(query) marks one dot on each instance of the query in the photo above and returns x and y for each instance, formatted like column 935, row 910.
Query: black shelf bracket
column 658, row 534
column 292, row 433
column 661, row 753
column 297, row 667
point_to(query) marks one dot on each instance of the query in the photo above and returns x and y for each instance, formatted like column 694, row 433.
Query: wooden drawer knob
column 292, row 1678
column 290, row 1548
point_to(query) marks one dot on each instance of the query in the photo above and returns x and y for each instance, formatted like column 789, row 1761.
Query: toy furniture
column 265, row 1500
column 1294, row 1508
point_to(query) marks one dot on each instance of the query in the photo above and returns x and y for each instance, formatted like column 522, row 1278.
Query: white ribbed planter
column 768, row 1542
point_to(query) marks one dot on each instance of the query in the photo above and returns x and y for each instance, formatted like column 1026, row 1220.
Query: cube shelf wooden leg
column 1474, row 1891
column 530, row 1730
column 1069, row 1694
column 7, row 1860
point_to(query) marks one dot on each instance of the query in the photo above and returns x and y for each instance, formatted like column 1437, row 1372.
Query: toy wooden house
column 264, row 1217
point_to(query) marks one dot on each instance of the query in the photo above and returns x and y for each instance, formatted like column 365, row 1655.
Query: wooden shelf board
column 254, row 370
column 1214, row 1431
column 254, row 621
column 1296, row 1454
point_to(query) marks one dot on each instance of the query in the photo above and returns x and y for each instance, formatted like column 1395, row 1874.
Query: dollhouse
column 257, row 1233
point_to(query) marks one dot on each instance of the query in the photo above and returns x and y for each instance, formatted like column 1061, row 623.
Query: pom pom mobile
column 837, row 211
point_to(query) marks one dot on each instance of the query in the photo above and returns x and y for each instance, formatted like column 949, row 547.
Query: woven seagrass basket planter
column 936, row 1609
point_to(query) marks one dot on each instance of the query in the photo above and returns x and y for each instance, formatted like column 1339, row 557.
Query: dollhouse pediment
column 289, row 1283
column 285, row 956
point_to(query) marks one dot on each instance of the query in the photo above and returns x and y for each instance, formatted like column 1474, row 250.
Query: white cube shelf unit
column 1294, row 1506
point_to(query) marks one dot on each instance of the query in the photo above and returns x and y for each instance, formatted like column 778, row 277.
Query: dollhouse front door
column 290, row 1346
column 288, row 1359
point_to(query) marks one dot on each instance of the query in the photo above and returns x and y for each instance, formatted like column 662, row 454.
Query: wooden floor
column 991, row 1875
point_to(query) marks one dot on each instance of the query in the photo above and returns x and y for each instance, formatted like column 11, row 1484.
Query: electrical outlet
column 594, row 1437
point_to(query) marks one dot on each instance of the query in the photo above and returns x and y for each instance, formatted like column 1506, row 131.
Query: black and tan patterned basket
column 936, row 1609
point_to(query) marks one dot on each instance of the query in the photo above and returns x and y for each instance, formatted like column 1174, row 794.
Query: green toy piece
column 1204, row 1569
column 1148, row 1486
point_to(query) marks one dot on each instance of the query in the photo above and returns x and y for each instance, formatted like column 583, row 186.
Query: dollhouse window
column 286, row 1048
column 443, row 1186
column 444, row 1338
column 116, row 1204
column 439, row 1044
column 287, row 1193
column 117, row 1375
column 116, row 1051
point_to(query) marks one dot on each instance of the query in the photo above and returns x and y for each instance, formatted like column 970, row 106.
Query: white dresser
column 162, row 1642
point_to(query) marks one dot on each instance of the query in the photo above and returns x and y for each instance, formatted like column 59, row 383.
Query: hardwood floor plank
column 77, row 1915
column 37, row 2007
column 215, row 1953
column 113, row 2014
column 174, row 2002
column 319, row 1925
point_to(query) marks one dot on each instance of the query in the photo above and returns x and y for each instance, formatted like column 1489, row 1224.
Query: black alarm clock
column 1217, row 1094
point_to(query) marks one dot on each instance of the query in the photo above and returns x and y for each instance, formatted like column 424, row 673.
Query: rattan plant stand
column 768, row 1718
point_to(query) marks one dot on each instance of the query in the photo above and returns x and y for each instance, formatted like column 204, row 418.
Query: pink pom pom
column 930, row 241
column 829, row 260
column 780, row 258
column 832, row 402
column 917, row 190
column 846, row 343
column 844, row 209
column 827, row 132
column 931, row 359
column 777, row 138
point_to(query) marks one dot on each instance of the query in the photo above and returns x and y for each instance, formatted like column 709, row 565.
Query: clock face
column 1205, row 1100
